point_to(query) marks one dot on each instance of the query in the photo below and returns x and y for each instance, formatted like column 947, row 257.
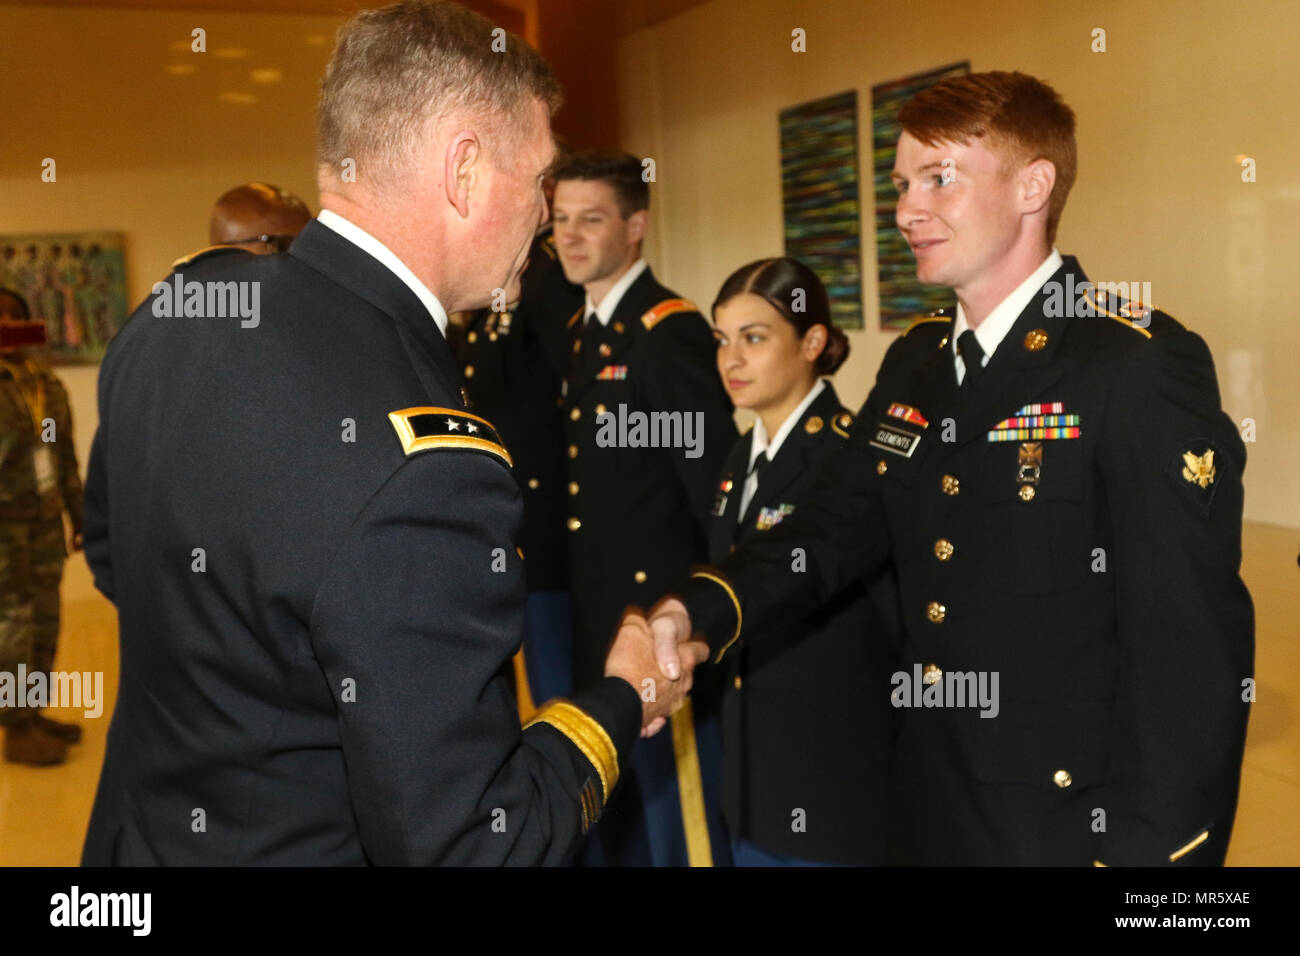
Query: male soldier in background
column 39, row 480
column 649, row 427
column 310, row 540
column 1062, row 495
column 258, row 217
column 514, row 363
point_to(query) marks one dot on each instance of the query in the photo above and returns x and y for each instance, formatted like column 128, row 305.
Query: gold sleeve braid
column 587, row 735
column 726, row 586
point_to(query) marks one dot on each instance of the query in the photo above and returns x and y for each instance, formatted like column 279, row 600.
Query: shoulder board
column 664, row 309
column 573, row 320
column 426, row 428
column 841, row 424
column 926, row 320
column 207, row 252
column 1129, row 312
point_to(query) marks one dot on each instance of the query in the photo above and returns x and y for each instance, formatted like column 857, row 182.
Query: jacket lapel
column 1022, row 366
column 731, row 485
column 791, row 459
column 342, row 262
column 617, row 336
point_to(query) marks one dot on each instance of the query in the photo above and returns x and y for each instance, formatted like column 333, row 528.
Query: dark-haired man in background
column 649, row 427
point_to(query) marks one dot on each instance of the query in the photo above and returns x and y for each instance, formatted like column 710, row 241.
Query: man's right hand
column 633, row 656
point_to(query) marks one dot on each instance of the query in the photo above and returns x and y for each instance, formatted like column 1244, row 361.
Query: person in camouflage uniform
column 39, row 480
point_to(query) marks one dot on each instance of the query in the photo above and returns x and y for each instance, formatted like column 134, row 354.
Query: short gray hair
column 399, row 67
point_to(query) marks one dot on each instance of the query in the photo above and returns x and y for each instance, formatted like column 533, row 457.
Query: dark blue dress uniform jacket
column 324, row 681
column 1100, row 583
column 806, row 721
column 638, row 515
column 514, row 365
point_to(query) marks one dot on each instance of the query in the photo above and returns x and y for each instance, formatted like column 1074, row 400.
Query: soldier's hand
column 632, row 658
column 671, row 626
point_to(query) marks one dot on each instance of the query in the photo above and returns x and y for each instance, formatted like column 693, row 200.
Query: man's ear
column 637, row 223
column 1036, row 182
column 464, row 164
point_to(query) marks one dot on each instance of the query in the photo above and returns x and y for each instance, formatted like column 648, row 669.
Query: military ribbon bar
column 1032, row 434
column 1039, row 421
column 908, row 414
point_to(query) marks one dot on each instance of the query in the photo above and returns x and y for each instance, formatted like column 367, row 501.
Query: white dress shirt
column 605, row 311
column 998, row 323
column 761, row 443
column 368, row 243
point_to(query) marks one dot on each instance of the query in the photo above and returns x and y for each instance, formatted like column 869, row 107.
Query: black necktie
column 590, row 338
column 973, row 358
column 756, row 469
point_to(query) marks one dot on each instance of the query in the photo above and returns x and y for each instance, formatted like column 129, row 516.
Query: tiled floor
column 43, row 812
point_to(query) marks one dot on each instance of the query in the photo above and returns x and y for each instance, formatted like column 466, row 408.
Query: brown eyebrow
column 898, row 175
column 760, row 324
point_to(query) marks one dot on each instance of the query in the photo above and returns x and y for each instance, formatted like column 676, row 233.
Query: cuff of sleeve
column 603, row 723
column 714, row 608
column 1153, row 852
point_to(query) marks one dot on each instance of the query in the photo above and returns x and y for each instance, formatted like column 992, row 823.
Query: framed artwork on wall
column 819, row 189
column 75, row 282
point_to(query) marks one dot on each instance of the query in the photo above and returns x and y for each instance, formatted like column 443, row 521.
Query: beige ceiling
column 631, row 14
column 114, row 83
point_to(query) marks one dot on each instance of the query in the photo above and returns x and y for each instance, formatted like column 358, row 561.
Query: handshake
column 658, row 658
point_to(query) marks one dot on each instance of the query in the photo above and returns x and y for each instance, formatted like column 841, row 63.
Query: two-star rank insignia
column 427, row 428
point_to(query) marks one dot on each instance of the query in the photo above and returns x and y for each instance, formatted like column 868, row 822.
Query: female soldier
column 806, row 717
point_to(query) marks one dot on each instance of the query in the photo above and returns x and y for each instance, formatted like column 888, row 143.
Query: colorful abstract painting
column 819, row 186
column 902, row 298
column 76, row 282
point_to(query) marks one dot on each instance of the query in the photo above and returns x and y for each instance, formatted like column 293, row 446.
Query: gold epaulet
column 426, row 428
column 664, row 309
column 573, row 320
column 926, row 320
column 206, row 252
column 1136, row 311
column 548, row 246
column 841, row 424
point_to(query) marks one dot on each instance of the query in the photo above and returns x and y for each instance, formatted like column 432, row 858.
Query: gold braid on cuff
column 587, row 735
column 726, row 586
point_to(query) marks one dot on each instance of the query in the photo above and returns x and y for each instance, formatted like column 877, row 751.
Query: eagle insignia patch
column 1197, row 468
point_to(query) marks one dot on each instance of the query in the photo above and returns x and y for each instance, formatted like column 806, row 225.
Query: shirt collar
column 762, row 443
column 605, row 311
column 998, row 323
column 369, row 244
